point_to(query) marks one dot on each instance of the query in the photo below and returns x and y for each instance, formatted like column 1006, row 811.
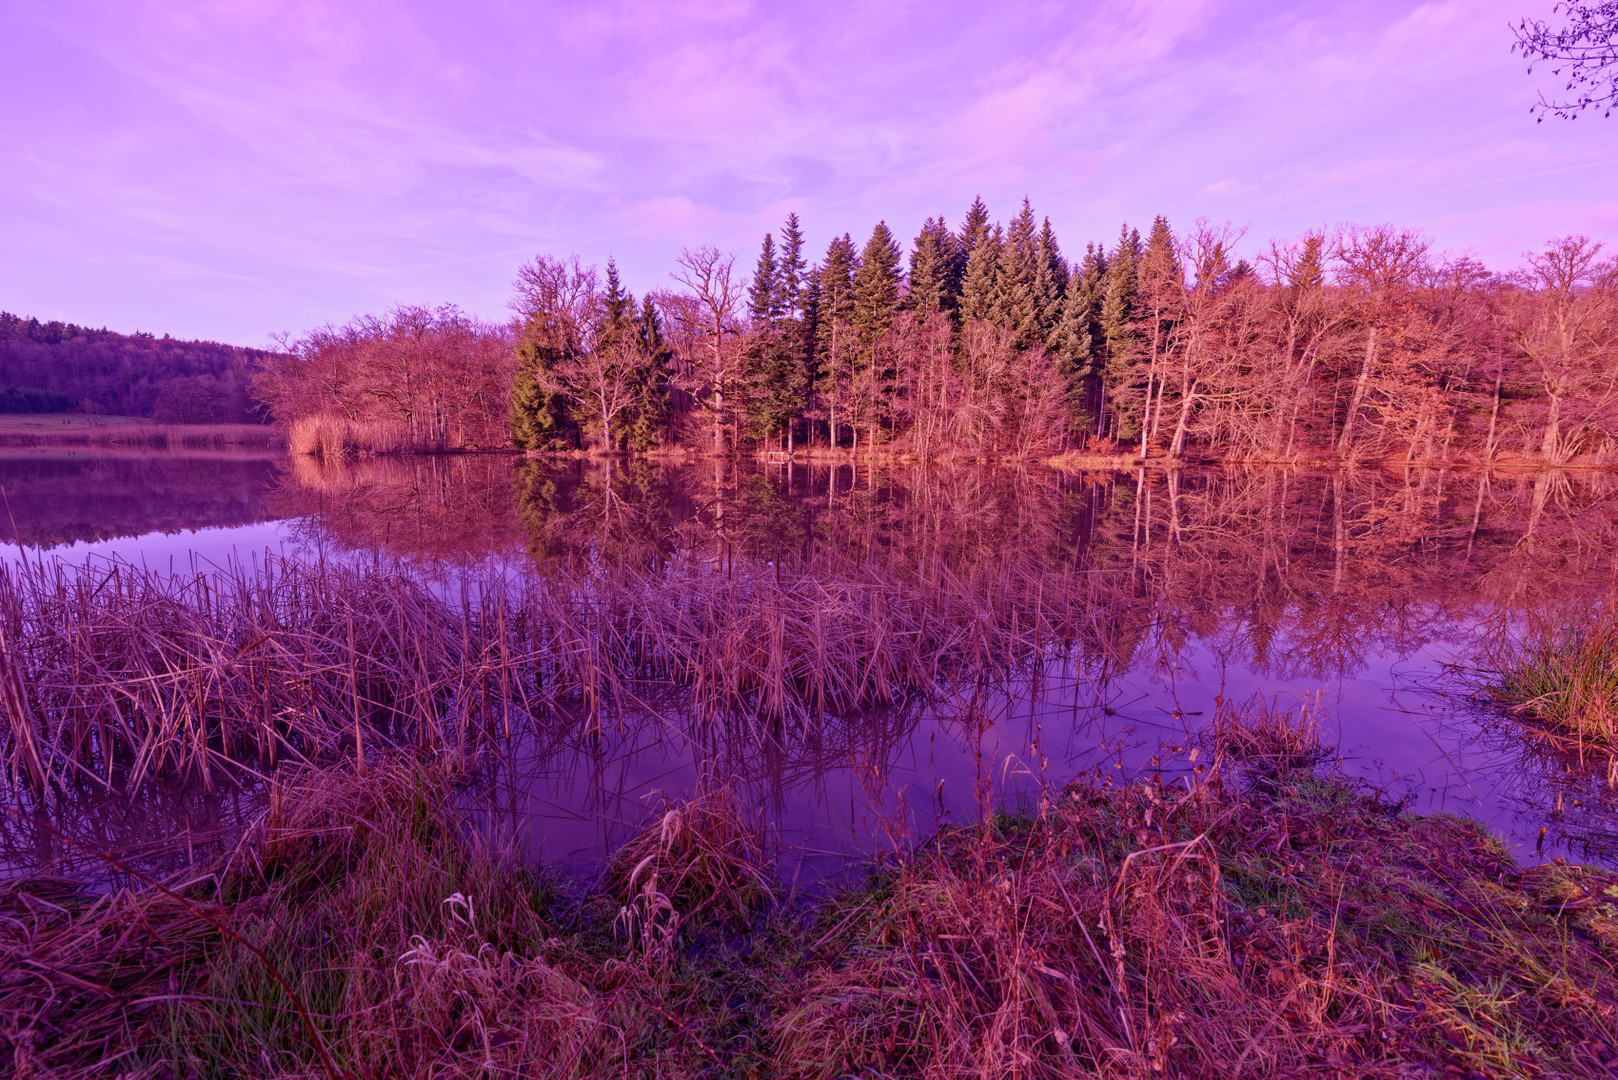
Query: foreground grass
column 1268, row 919
column 1561, row 673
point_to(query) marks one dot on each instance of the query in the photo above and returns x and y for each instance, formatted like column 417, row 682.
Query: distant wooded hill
column 56, row 366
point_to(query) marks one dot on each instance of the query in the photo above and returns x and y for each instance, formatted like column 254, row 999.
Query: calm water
column 1352, row 592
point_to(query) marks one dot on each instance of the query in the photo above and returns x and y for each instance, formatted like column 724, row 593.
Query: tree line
column 60, row 367
column 985, row 340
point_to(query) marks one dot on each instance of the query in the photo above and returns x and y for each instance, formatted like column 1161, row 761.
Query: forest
column 987, row 342
column 61, row 367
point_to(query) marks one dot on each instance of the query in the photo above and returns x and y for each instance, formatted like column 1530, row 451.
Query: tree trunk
column 1346, row 440
column 1550, row 449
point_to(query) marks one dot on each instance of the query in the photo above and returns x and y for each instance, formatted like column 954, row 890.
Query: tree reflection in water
column 1173, row 588
column 1186, row 583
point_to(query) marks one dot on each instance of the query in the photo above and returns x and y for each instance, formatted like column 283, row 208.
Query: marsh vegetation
column 269, row 817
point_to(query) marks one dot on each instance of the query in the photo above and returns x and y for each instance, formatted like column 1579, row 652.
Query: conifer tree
column 1118, row 308
column 1016, row 306
column 835, row 330
column 876, row 284
column 617, row 305
column 789, row 270
column 973, row 228
column 1309, row 271
column 649, row 417
column 764, row 295
column 876, row 300
column 557, row 302
column 979, row 292
column 1075, row 342
column 934, row 278
column 1159, row 300
column 776, row 378
column 1050, row 278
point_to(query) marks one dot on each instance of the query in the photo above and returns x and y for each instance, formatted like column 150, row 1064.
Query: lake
column 1352, row 595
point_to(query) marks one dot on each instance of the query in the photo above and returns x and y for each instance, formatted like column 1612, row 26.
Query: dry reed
column 118, row 673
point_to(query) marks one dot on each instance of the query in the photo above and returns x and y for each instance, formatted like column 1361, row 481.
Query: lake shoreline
column 1265, row 905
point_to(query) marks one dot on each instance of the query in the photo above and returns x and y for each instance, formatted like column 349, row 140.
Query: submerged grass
column 1263, row 917
column 1561, row 673
column 113, row 673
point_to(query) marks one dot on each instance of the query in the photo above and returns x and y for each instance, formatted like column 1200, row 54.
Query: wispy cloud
column 250, row 162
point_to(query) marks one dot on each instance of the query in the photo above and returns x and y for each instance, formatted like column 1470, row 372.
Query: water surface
column 1353, row 593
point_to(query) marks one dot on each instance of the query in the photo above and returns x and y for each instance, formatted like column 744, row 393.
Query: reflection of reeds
column 1561, row 672
column 118, row 672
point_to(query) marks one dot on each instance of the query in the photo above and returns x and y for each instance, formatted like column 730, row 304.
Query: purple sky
column 234, row 168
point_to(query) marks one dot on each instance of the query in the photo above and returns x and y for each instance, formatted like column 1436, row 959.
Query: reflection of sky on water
column 186, row 551
column 861, row 785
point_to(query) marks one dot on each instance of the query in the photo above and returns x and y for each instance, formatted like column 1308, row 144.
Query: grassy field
column 1264, row 917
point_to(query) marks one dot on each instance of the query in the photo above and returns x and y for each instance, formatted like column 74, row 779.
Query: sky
column 235, row 169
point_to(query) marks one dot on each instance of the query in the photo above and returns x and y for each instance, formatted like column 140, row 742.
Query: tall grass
column 116, row 673
column 1560, row 672
column 336, row 438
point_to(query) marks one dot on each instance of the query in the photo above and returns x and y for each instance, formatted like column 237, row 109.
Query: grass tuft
column 1561, row 673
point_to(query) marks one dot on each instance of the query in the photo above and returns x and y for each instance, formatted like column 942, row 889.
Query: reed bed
column 336, row 438
column 1258, row 918
column 116, row 673
column 1561, row 673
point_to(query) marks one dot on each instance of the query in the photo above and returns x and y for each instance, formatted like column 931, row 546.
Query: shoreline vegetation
column 129, row 433
column 1259, row 915
column 986, row 343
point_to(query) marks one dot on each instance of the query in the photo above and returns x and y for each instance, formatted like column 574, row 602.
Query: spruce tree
column 1075, row 341
column 973, row 228
column 764, row 295
column 1050, row 279
column 1309, row 272
column 979, row 287
column 649, row 417
column 617, row 305
column 1119, row 303
column 934, row 281
column 876, row 284
column 876, row 300
column 835, row 330
column 789, row 270
column 540, row 419
column 1016, row 306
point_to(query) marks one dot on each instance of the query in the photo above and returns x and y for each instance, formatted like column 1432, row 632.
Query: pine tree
column 764, row 295
column 934, row 277
column 789, row 270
